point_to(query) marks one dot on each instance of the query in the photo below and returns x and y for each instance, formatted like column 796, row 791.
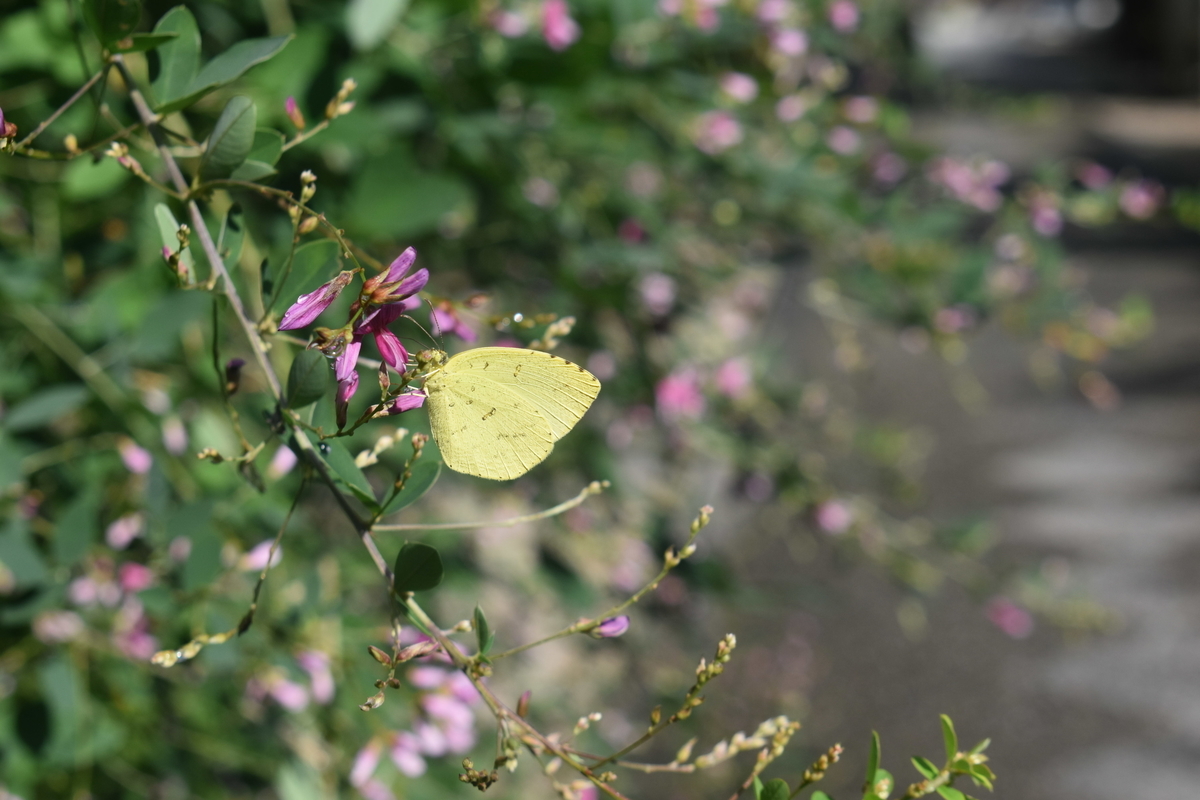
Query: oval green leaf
column 418, row 568
column 424, row 476
column 112, row 20
column 231, row 139
column 775, row 790
column 309, row 379
column 950, row 738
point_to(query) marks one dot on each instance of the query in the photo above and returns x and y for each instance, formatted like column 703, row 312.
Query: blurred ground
column 1110, row 500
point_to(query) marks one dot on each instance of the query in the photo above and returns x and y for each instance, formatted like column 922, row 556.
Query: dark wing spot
column 487, row 415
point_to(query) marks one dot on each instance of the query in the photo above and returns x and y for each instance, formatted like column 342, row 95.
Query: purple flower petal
column 309, row 306
column 346, row 390
column 391, row 348
column 343, row 365
column 401, row 265
column 407, row 402
column 611, row 628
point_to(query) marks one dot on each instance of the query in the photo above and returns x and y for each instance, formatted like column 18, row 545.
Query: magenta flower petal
column 558, row 28
column 309, row 306
column 407, row 402
column 400, row 267
column 346, row 390
column 412, row 284
column 611, row 628
column 391, row 348
column 365, row 763
column 345, row 363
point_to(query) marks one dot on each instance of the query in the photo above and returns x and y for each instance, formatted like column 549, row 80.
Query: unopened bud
column 523, row 704
column 71, row 144
column 307, row 225
column 294, row 114
column 373, row 702
column 379, row 655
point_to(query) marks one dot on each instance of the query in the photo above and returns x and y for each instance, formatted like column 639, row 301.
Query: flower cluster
column 558, row 28
column 976, row 183
column 106, row 585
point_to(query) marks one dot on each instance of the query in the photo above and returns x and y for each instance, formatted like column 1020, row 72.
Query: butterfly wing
column 561, row 391
column 483, row 428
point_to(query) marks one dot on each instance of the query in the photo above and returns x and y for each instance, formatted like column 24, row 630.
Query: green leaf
column 111, row 20
column 393, row 197
column 925, row 767
column 979, row 748
column 231, row 139
column 45, row 406
column 252, row 170
column 424, row 475
column 267, row 147
column 950, row 793
column 233, row 233
column 85, row 179
column 309, row 379
column 225, row 68
column 775, row 790
column 342, row 463
column 141, row 42
column 950, row 738
column 484, row 636
column 880, row 785
column 179, row 59
column 310, row 263
column 168, row 228
column 368, row 22
column 76, row 530
column 418, row 568
column 819, row 795
column 19, row 554
column 981, row 775
column 758, row 787
column 872, row 759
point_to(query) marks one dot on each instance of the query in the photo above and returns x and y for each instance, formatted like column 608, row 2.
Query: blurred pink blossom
column 131, row 631
column 406, row 755
column 954, row 319
column 283, row 462
column 679, row 396
column 843, row 15
column 320, row 678
column 174, row 436
column 789, row 42
column 889, row 168
column 558, row 28
column 861, row 109
column 365, row 762
column 179, row 549
column 256, row 558
column 446, row 319
column 508, row 24
column 289, row 694
column 1094, row 176
column 375, row 790
column 843, row 140
column 55, row 627
column 1140, row 199
column 716, row 131
column 134, row 577
column 1009, row 617
column 975, row 183
column 121, row 532
column 834, row 516
column 630, row 230
column 758, row 487
column 791, row 108
column 136, row 459
column 658, row 293
column 734, row 377
column 540, row 192
column 739, row 87
column 771, row 12
column 1046, row 219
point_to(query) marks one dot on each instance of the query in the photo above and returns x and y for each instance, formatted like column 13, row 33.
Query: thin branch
column 59, row 111
column 593, row 488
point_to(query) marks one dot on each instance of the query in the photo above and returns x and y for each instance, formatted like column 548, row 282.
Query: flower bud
column 379, row 655
column 294, row 114
column 309, row 306
column 611, row 628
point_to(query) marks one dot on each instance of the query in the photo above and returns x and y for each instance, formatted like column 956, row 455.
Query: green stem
column 72, row 100
column 595, row 487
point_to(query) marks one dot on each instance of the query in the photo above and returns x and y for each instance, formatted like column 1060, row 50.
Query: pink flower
column 316, row 664
column 843, row 15
column 658, row 293
column 773, row 11
column 733, row 377
column 123, row 530
column 427, row 677
column 256, row 559
column 289, row 694
column 889, row 168
column 283, row 462
column 1140, row 199
column 508, row 24
column 405, row 753
column 1094, row 176
column 407, row 402
column 716, row 132
column 843, row 141
column 630, row 230
column 679, row 396
column 345, row 391
column 174, row 436
column 975, row 183
column 558, row 29
column 739, row 87
column 374, row 790
column 179, row 549
column 789, row 42
column 541, row 192
column 834, row 516
column 611, row 627
column 294, row 114
column 861, row 109
column 135, row 577
column 1009, row 617
column 791, row 107
column 136, row 459
column 1046, row 220
column 954, row 319
column 365, row 762
column 54, row 627
column 310, row 306
column 445, row 319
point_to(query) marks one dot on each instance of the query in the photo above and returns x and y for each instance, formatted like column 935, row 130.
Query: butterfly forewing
column 559, row 390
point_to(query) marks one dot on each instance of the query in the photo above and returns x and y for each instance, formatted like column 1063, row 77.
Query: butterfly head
column 429, row 361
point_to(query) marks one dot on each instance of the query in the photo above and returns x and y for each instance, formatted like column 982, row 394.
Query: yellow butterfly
column 496, row 412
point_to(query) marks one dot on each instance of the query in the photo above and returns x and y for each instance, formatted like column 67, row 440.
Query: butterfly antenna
column 436, row 341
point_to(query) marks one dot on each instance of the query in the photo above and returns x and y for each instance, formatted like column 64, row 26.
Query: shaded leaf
column 225, row 68
column 872, row 759
column 484, row 636
column 231, row 139
column 775, row 790
column 819, row 795
column 233, row 234
column 45, row 406
column 141, row 42
column 76, row 530
column 111, row 20
column 925, row 767
column 267, row 147
column 949, row 737
column 424, row 475
column 309, row 379
column 368, row 22
column 19, row 554
column 252, row 170
column 168, row 228
column 179, row 59
column 418, row 568
column 342, row 463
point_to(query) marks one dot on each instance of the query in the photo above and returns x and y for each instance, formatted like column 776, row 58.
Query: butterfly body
column 496, row 412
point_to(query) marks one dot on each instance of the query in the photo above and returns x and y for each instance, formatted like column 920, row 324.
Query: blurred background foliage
column 671, row 176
